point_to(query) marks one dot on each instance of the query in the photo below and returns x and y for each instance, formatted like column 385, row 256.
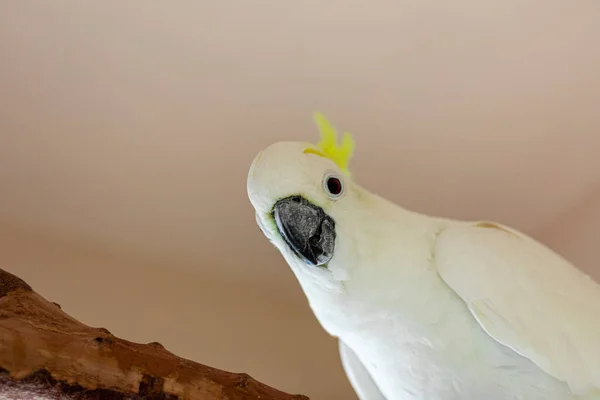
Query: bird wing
column 526, row 297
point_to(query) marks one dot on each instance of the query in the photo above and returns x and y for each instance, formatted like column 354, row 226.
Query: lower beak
column 306, row 229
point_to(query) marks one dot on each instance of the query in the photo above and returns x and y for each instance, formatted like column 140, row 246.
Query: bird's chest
column 447, row 357
column 414, row 365
column 421, row 342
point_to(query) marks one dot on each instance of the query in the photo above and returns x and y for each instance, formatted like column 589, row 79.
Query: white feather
column 359, row 377
column 528, row 298
column 434, row 308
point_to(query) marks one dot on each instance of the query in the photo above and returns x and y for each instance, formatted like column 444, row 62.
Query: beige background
column 126, row 131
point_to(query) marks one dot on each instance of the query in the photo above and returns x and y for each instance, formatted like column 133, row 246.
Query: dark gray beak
column 306, row 228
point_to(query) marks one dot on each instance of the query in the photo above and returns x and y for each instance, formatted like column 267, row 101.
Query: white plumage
column 426, row 307
column 526, row 297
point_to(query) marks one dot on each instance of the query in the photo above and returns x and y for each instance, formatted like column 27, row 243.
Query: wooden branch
column 46, row 354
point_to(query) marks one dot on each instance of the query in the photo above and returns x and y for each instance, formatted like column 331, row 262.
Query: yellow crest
column 328, row 145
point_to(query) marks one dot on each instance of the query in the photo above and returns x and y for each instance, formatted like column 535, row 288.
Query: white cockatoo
column 425, row 307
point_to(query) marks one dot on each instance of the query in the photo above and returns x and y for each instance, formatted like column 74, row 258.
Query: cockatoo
column 425, row 307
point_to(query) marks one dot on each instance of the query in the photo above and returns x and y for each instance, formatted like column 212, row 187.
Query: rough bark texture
column 46, row 354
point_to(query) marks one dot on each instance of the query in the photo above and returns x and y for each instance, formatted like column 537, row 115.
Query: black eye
column 334, row 186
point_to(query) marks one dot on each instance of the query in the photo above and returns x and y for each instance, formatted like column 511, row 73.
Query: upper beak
column 306, row 229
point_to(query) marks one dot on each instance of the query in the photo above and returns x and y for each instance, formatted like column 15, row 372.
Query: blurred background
column 127, row 130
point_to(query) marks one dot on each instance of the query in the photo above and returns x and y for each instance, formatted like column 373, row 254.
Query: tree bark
column 46, row 354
